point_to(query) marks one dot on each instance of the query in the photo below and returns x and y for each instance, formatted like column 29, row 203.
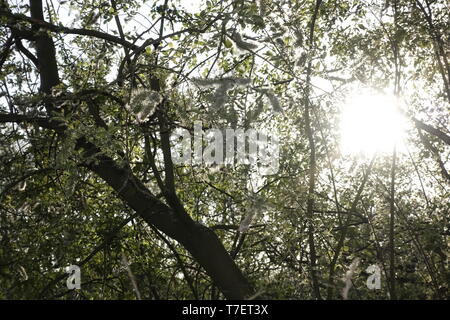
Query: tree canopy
column 92, row 93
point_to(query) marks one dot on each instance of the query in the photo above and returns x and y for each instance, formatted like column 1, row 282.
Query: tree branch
column 39, row 23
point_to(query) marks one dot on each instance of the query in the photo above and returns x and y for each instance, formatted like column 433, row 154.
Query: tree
column 92, row 92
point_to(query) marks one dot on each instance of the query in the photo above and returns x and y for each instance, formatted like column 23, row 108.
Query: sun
column 371, row 123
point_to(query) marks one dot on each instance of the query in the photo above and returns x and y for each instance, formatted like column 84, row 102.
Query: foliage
column 132, row 71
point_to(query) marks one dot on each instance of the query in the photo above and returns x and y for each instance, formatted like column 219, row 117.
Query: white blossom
column 143, row 103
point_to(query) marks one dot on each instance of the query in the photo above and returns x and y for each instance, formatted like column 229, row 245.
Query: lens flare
column 371, row 123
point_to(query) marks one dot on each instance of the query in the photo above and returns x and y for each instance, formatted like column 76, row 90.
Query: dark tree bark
column 45, row 50
column 432, row 130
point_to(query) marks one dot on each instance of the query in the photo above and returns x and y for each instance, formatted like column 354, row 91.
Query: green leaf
column 227, row 43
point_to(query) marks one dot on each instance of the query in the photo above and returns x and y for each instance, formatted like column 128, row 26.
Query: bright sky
column 191, row 6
